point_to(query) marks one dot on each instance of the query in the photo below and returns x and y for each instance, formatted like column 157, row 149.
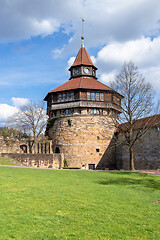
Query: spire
column 83, row 58
column 82, row 37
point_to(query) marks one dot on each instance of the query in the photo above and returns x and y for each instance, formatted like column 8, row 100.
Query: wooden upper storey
column 85, row 95
column 82, row 86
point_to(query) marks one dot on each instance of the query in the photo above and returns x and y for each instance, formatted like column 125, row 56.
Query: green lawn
column 49, row 204
column 7, row 161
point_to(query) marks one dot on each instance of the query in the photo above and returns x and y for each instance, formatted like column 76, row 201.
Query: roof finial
column 82, row 34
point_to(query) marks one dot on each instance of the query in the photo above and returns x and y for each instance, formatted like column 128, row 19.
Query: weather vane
column 82, row 32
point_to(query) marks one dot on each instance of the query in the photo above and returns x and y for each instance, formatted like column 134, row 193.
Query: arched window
column 24, row 148
column 57, row 150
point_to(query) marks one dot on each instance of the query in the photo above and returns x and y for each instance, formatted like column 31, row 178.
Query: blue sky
column 39, row 40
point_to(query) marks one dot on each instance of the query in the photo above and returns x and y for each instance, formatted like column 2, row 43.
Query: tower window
column 66, row 112
column 94, row 111
column 68, row 96
column 93, row 95
column 97, row 96
column 64, row 96
column 98, row 137
column 97, row 149
column 69, row 122
column 72, row 95
column 59, row 97
column 102, row 96
column 88, row 96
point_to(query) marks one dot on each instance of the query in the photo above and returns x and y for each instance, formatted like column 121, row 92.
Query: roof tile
column 83, row 83
column 83, row 58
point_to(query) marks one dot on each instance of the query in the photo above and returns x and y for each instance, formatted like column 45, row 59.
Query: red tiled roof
column 151, row 121
column 83, row 58
column 82, row 82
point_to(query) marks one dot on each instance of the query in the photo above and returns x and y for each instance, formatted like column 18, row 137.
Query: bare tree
column 32, row 119
column 137, row 103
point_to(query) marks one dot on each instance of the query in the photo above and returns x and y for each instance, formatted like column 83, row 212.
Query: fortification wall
column 10, row 146
column 25, row 146
column 82, row 138
column 55, row 161
column 146, row 151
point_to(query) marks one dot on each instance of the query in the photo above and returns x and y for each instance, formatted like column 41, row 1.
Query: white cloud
column 70, row 62
column 57, row 52
column 93, row 60
column 143, row 52
column 106, row 20
column 107, row 78
column 18, row 102
column 118, row 25
column 6, row 111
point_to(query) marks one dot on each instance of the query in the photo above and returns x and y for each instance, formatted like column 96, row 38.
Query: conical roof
column 83, row 59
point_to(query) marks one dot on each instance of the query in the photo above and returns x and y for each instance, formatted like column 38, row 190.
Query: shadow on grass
column 145, row 181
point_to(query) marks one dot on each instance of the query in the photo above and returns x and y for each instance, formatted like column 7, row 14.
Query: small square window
column 97, row 149
column 98, row 137
column 69, row 122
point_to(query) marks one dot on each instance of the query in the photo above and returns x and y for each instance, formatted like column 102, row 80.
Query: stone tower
column 81, row 115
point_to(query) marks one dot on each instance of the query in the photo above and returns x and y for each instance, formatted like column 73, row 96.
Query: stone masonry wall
column 55, row 161
column 10, row 146
column 15, row 146
column 82, row 138
column 146, row 151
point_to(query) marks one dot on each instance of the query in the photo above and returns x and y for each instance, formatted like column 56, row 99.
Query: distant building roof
column 151, row 121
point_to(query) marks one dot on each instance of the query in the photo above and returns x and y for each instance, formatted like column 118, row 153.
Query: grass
column 49, row 204
column 7, row 161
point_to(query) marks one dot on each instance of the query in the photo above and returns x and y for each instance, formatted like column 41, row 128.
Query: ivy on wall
column 50, row 124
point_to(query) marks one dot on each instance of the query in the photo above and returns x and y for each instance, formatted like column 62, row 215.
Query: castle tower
column 81, row 113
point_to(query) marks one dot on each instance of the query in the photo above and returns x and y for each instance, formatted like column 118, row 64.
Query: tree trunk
column 34, row 143
column 131, row 158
